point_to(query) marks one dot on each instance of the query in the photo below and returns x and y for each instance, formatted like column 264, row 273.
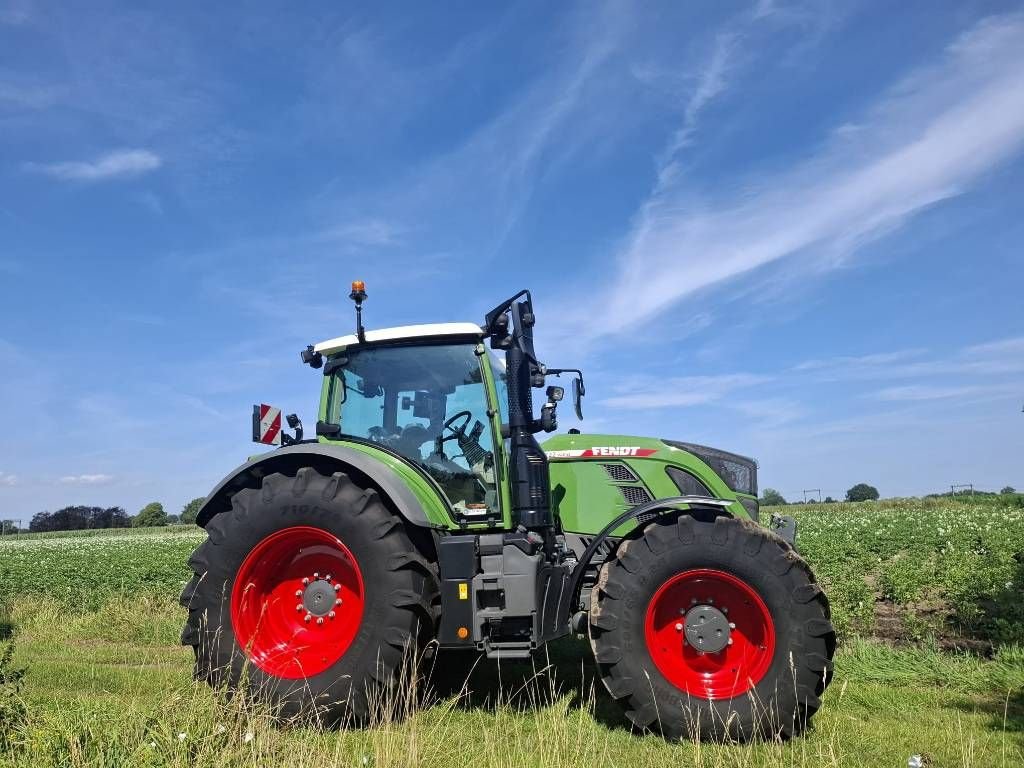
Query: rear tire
column 765, row 683
column 247, row 621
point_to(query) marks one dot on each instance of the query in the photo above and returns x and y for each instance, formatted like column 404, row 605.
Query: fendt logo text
column 598, row 452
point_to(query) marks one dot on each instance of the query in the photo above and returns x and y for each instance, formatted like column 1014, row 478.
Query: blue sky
column 793, row 230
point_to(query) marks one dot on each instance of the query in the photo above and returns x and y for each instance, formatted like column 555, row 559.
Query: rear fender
column 326, row 459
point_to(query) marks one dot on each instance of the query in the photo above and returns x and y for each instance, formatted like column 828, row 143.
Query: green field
column 927, row 598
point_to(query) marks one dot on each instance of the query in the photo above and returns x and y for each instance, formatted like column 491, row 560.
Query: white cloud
column 926, row 141
column 97, row 479
column 6, row 478
column 123, row 163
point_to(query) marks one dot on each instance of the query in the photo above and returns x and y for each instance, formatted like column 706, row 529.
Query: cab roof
column 426, row 330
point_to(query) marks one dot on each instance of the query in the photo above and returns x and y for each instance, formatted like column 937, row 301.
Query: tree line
column 78, row 517
column 865, row 492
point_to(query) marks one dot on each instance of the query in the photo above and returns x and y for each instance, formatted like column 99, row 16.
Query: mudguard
column 324, row 458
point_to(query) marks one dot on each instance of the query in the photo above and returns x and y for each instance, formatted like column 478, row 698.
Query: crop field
column 926, row 594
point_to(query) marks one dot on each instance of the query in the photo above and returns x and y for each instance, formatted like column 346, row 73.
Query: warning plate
column 266, row 424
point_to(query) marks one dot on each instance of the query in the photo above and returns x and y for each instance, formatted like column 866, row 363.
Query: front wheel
column 311, row 590
column 712, row 629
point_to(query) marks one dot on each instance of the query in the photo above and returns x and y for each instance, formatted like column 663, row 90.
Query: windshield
column 426, row 402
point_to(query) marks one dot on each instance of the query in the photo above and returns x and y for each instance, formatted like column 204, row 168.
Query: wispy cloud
column 27, row 95
column 678, row 391
column 98, row 479
column 926, row 140
column 7, row 479
column 991, row 359
column 15, row 12
column 924, row 392
column 123, row 163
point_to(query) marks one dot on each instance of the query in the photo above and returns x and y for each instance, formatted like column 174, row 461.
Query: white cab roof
column 402, row 332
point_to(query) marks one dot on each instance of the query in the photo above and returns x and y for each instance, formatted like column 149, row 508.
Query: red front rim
column 297, row 602
column 736, row 668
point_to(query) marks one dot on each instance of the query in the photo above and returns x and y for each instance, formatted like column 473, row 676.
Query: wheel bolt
column 679, row 627
column 732, row 625
column 693, row 601
column 327, row 577
column 320, row 620
column 338, row 601
column 730, row 641
column 711, row 601
column 330, row 615
column 299, row 607
column 337, row 587
column 308, row 618
column 298, row 593
column 316, row 576
column 305, row 581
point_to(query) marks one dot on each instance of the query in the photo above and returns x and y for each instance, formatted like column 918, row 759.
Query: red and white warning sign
column 266, row 424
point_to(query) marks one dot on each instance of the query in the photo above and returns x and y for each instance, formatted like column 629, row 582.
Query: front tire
column 311, row 591
column 712, row 629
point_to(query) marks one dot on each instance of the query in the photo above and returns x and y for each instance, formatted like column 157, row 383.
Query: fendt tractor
column 426, row 518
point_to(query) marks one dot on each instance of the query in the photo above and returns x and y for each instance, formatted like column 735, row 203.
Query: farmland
column 925, row 594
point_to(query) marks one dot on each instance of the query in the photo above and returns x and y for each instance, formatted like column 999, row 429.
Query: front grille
column 635, row 495
column 620, row 473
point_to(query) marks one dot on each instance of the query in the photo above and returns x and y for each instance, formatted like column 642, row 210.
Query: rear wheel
column 311, row 589
column 712, row 629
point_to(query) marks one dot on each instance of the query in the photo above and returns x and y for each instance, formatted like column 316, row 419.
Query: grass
column 925, row 593
column 111, row 687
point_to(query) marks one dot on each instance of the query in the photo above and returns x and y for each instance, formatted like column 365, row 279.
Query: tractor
column 426, row 517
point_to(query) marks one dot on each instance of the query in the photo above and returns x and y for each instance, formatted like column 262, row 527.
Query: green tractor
column 426, row 517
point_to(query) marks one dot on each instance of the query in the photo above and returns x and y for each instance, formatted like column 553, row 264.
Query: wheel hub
column 318, row 597
column 707, row 629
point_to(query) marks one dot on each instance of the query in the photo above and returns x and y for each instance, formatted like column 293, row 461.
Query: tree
column 771, row 498
column 1008, row 489
column 829, row 500
column 862, row 492
column 150, row 515
column 191, row 510
column 7, row 527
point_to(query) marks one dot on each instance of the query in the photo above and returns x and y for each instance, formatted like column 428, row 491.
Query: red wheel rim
column 284, row 605
column 735, row 669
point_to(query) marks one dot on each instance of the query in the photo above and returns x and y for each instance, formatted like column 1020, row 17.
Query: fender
column 324, row 458
column 656, row 507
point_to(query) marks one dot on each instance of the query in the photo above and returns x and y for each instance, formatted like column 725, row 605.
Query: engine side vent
column 687, row 484
column 635, row 495
column 620, row 473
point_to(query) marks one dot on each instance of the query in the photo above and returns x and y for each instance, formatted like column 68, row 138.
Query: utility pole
column 812, row 491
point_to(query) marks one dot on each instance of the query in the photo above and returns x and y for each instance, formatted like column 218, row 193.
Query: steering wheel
column 457, row 431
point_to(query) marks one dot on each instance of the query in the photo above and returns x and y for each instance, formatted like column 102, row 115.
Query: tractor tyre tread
column 399, row 612
column 782, row 703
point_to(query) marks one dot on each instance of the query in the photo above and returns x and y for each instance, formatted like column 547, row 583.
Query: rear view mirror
column 578, row 391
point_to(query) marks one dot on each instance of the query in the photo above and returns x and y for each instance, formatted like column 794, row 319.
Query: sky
column 791, row 230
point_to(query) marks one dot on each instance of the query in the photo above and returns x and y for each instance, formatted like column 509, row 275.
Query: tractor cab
column 426, row 393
